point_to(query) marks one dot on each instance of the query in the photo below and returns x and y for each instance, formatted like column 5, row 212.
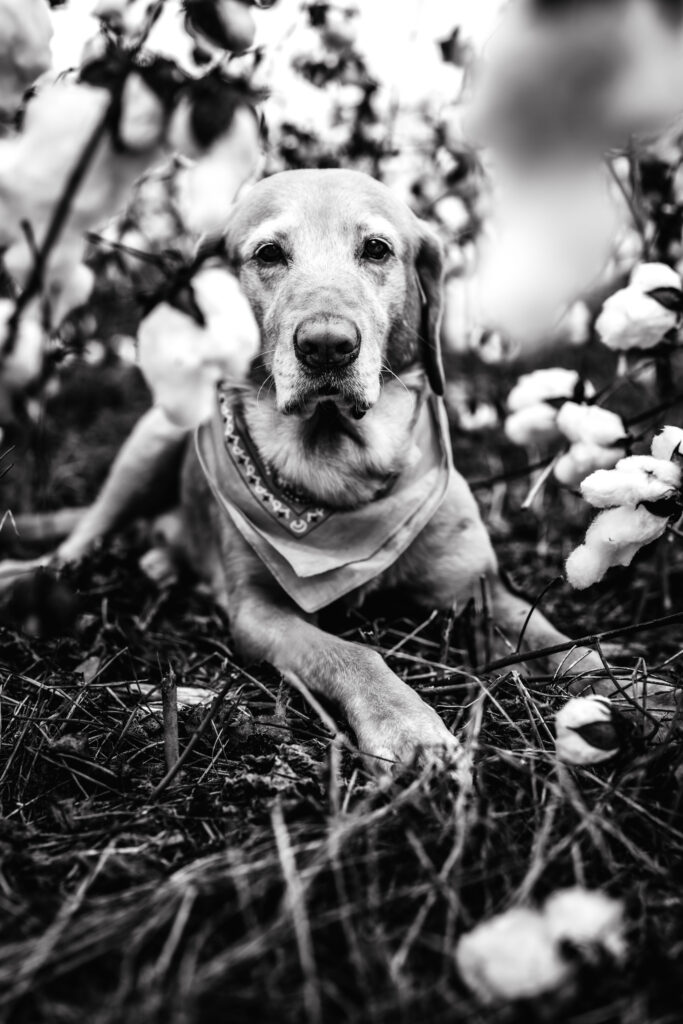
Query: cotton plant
column 644, row 314
column 86, row 138
column 637, row 500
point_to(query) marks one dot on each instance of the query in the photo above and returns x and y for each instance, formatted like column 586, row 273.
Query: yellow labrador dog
column 329, row 475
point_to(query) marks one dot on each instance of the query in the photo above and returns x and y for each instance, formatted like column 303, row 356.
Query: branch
column 584, row 641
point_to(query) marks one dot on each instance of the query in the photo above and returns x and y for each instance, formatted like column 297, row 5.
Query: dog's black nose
column 326, row 343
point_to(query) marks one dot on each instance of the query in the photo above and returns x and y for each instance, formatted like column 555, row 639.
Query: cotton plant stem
column 584, row 641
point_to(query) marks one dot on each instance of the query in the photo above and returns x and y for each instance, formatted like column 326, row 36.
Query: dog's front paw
column 399, row 728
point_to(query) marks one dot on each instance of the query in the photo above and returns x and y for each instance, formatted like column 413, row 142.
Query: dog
column 328, row 475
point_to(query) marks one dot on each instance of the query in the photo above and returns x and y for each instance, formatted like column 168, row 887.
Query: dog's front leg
column 390, row 721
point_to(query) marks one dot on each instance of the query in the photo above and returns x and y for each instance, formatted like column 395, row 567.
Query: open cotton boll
column 207, row 189
column 170, row 353
column 73, row 292
column 183, row 361
column 534, row 424
column 24, row 363
column 667, row 443
column 585, row 731
column 622, row 532
column 665, row 472
column 143, row 118
column 584, row 458
column 590, row 423
column 543, row 385
column 648, row 277
column 607, row 488
column 229, row 321
column 511, row 957
column 589, row 920
column 586, row 566
column 25, row 34
column 630, row 319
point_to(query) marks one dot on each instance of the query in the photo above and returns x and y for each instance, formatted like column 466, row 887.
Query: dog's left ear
column 429, row 264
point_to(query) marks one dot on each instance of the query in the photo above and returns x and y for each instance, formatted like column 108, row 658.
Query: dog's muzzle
column 326, row 343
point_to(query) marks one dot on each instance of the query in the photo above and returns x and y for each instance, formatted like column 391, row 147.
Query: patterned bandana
column 318, row 554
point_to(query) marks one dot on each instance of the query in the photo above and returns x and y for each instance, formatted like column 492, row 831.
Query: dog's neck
column 337, row 460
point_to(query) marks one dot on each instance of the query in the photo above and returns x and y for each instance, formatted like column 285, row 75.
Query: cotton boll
column 230, row 322
column 584, row 458
column 567, row 472
column 611, row 488
column 183, row 361
column 586, row 566
column 648, row 277
column 585, row 731
column 452, row 212
column 511, row 957
column 543, row 385
column 73, row 292
column 25, row 34
column 142, row 119
column 590, row 921
column 170, row 344
column 575, row 324
column 621, row 532
column 536, row 424
column 207, row 189
column 668, row 443
column 590, row 423
column 665, row 472
column 23, row 364
column 631, row 319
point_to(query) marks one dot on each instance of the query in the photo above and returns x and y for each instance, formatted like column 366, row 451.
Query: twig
column 584, row 641
column 169, row 708
column 198, row 733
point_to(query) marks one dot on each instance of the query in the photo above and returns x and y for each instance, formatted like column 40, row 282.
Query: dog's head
column 345, row 283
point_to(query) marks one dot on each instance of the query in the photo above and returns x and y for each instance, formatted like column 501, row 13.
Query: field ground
column 272, row 880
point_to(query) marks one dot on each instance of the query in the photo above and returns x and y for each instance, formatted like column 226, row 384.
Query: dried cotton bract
column 636, row 316
column 585, row 731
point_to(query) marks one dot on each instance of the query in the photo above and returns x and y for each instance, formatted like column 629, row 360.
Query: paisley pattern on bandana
column 291, row 508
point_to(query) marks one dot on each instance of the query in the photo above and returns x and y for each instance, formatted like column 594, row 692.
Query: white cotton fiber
column 667, row 443
column 586, row 566
column 649, row 276
column 590, row 423
column 533, row 425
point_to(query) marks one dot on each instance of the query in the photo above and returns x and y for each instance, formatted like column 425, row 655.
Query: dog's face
column 345, row 283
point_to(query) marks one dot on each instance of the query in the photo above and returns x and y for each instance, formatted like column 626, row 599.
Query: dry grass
column 273, row 881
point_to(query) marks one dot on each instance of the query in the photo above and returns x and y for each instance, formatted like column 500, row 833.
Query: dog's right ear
column 429, row 265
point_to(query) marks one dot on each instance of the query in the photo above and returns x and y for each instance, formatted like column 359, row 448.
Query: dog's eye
column 269, row 252
column 376, row 249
